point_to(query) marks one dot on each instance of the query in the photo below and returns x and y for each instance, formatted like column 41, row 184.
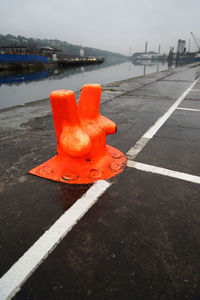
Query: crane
column 195, row 40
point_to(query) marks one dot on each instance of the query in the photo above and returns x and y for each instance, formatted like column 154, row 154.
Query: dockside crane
column 196, row 41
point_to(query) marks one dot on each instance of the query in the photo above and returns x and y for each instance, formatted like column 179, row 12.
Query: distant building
column 81, row 52
column 181, row 46
column 54, row 57
column 13, row 50
column 52, row 53
column 151, row 55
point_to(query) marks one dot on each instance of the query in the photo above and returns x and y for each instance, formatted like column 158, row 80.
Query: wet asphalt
column 141, row 240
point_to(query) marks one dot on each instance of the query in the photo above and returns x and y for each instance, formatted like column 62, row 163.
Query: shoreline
column 112, row 85
column 77, row 93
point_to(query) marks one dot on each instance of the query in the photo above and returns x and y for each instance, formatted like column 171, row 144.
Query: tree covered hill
column 65, row 47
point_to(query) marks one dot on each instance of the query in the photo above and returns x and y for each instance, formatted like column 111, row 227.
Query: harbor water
column 17, row 89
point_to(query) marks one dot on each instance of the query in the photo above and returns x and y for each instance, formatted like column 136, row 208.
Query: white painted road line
column 162, row 171
column 11, row 282
column 189, row 109
column 135, row 150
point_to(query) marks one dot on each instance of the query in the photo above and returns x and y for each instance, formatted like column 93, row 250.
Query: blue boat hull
column 20, row 58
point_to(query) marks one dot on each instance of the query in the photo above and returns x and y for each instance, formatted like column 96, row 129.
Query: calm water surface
column 23, row 88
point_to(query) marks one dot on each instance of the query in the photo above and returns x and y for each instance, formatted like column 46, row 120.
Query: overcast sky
column 114, row 25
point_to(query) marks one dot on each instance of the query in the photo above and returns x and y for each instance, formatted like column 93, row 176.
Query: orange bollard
column 82, row 153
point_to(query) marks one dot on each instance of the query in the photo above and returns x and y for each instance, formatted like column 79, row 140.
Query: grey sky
column 114, row 25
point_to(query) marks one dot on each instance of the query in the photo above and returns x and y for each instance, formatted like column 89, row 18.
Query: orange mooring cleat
column 82, row 153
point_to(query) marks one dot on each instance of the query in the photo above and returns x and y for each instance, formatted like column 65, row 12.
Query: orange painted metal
column 82, row 153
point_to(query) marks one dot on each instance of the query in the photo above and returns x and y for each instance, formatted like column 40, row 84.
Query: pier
column 137, row 235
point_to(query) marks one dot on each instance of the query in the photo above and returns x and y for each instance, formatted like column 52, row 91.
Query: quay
column 134, row 236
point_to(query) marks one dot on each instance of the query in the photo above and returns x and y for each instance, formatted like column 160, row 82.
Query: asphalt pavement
column 134, row 236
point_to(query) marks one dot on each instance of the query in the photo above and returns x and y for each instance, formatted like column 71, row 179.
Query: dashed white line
column 189, row 109
column 11, row 282
column 163, row 171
